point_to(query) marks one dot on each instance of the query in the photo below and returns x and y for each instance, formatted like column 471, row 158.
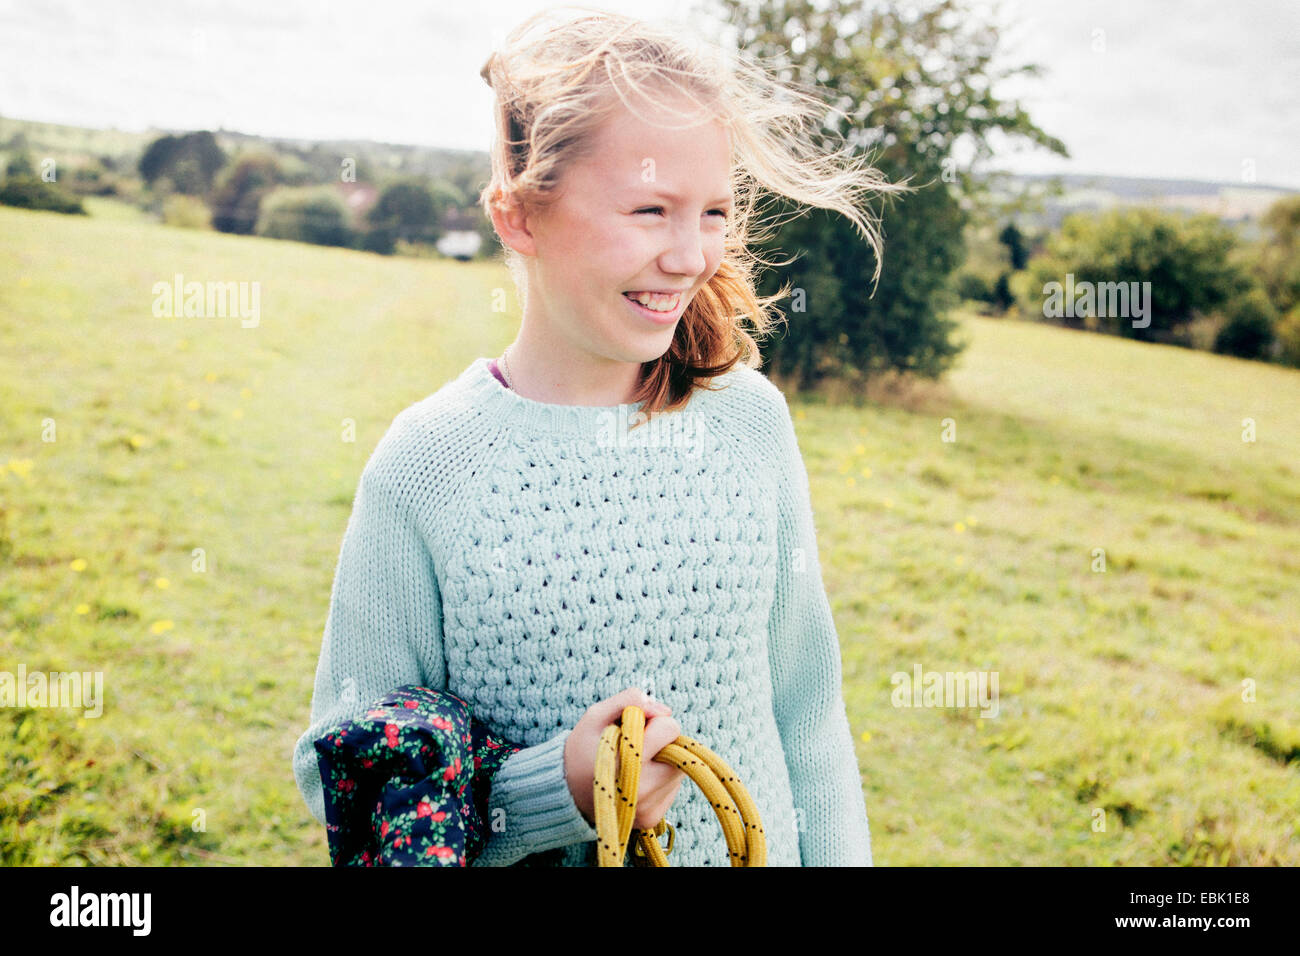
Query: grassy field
column 1160, row 696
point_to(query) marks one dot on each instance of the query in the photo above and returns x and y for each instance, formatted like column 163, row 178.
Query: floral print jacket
column 407, row 784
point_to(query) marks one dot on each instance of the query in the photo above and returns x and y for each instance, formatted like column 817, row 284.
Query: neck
column 548, row 369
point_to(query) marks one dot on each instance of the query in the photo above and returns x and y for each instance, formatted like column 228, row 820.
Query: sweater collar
column 531, row 417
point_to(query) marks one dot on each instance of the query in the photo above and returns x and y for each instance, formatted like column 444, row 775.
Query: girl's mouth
column 674, row 304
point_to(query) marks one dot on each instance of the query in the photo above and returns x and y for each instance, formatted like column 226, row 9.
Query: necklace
column 505, row 368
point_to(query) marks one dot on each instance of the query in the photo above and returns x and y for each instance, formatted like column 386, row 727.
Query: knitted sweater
column 535, row 558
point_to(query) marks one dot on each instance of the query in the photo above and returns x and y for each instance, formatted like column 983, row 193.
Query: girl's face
column 645, row 211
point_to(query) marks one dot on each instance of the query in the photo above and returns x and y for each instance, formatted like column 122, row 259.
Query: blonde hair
column 553, row 79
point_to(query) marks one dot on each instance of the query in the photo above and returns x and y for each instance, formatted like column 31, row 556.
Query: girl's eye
column 658, row 210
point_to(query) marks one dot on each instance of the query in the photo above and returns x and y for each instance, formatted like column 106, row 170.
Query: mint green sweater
column 536, row 558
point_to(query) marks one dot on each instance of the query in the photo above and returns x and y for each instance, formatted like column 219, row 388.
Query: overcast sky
column 1178, row 89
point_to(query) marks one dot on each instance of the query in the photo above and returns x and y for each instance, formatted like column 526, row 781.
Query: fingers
column 659, row 785
column 660, row 782
column 608, row 710
column 659, row 732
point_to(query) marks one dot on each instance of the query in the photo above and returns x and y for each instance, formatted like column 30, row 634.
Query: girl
column 616, row 511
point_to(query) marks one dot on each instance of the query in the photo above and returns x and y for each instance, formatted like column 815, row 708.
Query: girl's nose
column 686, row 254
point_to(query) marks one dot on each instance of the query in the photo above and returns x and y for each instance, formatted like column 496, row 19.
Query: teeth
column 655, row 301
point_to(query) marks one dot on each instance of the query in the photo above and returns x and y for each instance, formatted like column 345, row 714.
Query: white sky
column 1184, row 88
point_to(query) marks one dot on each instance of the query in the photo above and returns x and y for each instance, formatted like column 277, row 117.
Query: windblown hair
column 558, row 77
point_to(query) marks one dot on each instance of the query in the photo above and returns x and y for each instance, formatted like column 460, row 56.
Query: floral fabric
column 407, row 784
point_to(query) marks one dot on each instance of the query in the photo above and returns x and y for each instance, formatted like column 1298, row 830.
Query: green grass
column 105, row 207
column 1120, row 691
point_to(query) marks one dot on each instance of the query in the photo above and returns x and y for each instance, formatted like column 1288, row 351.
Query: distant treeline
column 1154, row 275
column 306, row 194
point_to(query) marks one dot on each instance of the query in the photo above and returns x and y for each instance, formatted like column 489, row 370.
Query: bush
column 27, row 192
column 1188, row 262
column 1248, row 333
column 1002, row 296
column 237, row 199
column 316, row 215
column 408, row 210
column 1288, row 338
column 20, row 164
column 974, row 287
column 380, row 239
column 1278, row 265
column 186, row 212
column 93, row 181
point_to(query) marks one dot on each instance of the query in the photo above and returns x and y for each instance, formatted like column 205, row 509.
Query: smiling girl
column 503, row 548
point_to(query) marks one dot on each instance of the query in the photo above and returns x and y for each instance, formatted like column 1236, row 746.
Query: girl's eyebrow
column 675, row 197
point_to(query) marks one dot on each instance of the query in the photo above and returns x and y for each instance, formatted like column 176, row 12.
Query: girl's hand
column 658, row 784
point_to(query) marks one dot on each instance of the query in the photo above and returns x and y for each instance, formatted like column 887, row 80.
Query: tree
column 1188, row 262
column 1248, row 332
column 314, row 214
column 1288, row 338
column 909, row 83
column 406, row 207
column 410, row 210
column 1015, row 243
column 238, row 196
column 1002, row 296
column 1278, row 266
column 189, row 162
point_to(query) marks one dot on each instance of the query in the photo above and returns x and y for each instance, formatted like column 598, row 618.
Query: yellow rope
column 615, row 798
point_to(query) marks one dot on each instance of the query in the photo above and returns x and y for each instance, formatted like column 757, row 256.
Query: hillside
column 1156, row 696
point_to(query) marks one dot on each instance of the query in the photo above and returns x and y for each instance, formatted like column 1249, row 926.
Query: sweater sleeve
column 808, row 698
column 383, row 631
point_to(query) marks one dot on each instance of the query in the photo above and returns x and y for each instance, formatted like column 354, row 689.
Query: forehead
column 660, row 149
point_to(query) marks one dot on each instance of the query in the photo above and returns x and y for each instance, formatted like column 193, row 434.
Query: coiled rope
column 615, row 797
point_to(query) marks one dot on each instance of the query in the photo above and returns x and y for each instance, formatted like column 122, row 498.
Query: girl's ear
column 511, row 223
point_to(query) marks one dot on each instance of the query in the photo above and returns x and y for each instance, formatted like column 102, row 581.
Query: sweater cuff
column 539, row 812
